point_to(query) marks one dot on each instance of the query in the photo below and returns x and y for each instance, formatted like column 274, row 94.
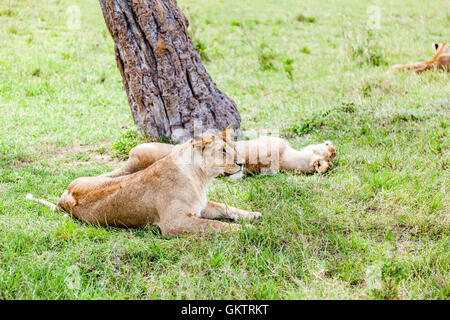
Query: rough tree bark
column 168, row 88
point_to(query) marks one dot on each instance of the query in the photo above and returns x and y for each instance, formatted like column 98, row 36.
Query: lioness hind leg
column 216, row 210
column 190, row 224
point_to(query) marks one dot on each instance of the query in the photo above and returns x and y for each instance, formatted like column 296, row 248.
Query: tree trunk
column 168, row 89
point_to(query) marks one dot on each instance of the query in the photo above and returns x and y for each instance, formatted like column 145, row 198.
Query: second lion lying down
column 263, row 155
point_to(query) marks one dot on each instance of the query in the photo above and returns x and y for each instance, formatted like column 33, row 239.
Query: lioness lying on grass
column 441, row 60
column 171, row 193
column 264, row 154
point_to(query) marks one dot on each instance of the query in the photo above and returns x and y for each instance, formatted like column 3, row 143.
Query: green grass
column 375, row 227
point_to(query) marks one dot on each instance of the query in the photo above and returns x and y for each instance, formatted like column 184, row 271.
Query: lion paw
column 249, row 215
column 321, row 165
column 256, row 215
column 324, row 154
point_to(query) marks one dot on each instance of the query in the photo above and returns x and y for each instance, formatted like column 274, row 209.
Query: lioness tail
column 41, row 201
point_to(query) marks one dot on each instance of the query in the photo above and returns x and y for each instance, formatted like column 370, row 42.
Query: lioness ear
column 227, row 132
column 206, row 142
column 435, row 46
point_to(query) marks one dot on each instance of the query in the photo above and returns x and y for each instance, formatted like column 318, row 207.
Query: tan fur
column 170, row 193
column 265, row 154
column 441, row 60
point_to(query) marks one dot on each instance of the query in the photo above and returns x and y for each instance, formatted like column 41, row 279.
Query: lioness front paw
column 255, row 215
column 321, row 165
column 250, row 215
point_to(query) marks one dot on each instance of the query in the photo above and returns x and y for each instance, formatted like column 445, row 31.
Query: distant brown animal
column 441, row 60
column 170, row 193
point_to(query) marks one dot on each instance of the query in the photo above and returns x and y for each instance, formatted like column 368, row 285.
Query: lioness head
column 216, row 154
column 438, row 46
column 442, row 56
